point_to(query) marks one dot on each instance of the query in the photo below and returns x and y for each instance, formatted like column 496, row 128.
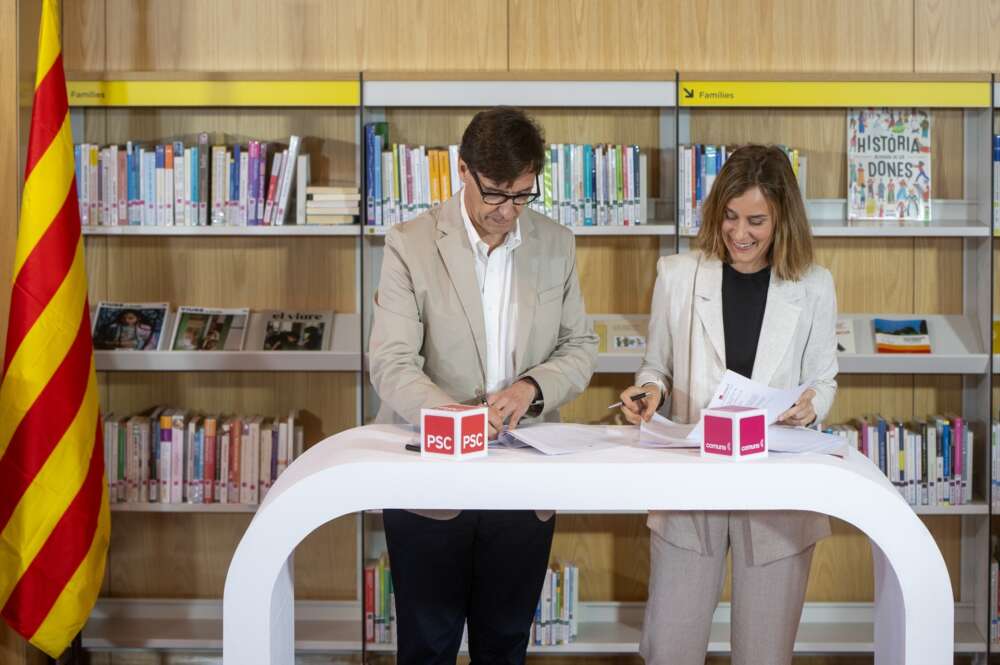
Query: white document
column 662, row 432
column 737, row 390
column 565, row 438
column 782, row 439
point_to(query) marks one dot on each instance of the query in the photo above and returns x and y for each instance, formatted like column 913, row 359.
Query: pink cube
column 734, row 432
column 454, row 431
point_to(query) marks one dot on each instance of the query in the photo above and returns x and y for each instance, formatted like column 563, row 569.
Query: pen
column 635, row 398
column 415, row 447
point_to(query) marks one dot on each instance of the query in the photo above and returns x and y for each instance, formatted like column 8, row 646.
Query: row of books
column 178, row 184
column 994, row 594
column 380, row 602
column 996, row 183
column 581, row 185
column 558, row 612
column 152, row 326
column 176, row 456
column 995, row 463
column 556, row 616
column 928, row 461
column 698, row 166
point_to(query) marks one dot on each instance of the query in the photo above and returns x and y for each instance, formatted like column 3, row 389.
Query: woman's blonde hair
column 768, row 169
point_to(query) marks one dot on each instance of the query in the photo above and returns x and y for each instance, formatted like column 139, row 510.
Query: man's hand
column 513, row 402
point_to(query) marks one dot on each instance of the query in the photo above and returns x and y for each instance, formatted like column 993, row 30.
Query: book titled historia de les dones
column 889, row 164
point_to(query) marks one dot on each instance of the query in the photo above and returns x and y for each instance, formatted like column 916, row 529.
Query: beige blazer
column 687, row 351
column 428, row 339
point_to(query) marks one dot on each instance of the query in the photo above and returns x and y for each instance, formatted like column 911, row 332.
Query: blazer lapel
column 526, row 278
column 781, row 316
column 453, row 245
column 708, row 304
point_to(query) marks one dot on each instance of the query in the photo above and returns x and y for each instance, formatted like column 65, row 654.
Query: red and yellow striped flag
column 54, row 520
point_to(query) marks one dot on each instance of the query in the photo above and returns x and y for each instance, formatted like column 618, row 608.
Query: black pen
column 634, row 398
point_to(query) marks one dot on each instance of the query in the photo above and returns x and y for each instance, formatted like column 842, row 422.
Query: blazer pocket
column 550, row 294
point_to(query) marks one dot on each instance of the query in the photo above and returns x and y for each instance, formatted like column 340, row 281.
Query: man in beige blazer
column 478, row 300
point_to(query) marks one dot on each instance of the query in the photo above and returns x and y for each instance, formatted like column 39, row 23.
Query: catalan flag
column 54, row 520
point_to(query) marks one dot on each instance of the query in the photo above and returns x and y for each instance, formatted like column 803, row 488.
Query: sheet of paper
column 662, row 432
column 566, row 438
column 737, row 390
column 803, row 440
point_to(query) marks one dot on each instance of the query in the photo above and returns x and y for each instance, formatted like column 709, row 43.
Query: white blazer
column 686, row 351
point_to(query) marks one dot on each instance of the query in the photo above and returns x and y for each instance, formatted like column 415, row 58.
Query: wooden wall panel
column 937, row 275
column 84, row 43
column 859, row 263
column 759, row 35
column 617, row 273
column 10, row 148
column 290, row 35
column 956, row 37
column 258, row 272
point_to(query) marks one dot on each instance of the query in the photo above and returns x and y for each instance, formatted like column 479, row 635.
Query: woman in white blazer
column 750, row 299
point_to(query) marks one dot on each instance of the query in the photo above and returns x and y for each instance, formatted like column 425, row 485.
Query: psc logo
column 438, row 435
column 473, row 439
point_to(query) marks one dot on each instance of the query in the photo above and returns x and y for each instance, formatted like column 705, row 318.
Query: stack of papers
column 565, row 438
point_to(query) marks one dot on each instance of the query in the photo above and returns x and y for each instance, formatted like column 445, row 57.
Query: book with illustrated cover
column 621, row 333
column 208, row 329
column 279, row 330
column 845, row 336
column 889, row 164
column 129, row 326
column 906, row 336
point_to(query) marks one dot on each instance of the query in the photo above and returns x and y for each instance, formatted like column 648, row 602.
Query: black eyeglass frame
column 499, row 198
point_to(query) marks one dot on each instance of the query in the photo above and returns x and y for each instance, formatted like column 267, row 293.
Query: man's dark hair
column 502, row 143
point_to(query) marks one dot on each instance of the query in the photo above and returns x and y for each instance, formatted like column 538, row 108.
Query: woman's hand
column 643, row 408
column 802, row 413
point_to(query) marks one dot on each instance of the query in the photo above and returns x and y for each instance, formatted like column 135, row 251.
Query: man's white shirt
column 497, row 286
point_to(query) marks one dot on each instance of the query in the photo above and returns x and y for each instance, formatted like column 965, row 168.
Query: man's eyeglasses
column 499, row 198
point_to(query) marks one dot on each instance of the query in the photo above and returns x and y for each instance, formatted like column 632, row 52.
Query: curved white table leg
column 889, row 613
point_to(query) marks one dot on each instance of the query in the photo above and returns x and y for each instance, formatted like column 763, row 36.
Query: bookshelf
column 275, row 267
column 628, row 108
column 809, row 112
column 957, row 243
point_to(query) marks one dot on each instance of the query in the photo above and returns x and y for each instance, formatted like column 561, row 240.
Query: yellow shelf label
column 957, row 94
column 214, row 93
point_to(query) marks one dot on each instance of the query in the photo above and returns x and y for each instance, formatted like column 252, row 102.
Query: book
column 889, row 164
column 208, row 329
column 621, row 333
column 845, row 336
column 905, row 336
column 280, row 330
column 129, row 326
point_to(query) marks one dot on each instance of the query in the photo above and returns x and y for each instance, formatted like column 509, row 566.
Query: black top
column 744, row 297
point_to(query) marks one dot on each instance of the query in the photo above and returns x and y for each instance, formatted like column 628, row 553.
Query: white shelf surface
column 183, row 508
column 950, row 219
column 326, row 626
column 955, row 348
column 345, row 356
column 651, row 229
column 553, row 93
column 320, row 626
column 284, row 230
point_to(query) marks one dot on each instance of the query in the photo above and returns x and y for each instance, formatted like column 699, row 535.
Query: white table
column 367, row 468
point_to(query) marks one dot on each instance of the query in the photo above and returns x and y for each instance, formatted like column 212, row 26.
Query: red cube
column 454, row 431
